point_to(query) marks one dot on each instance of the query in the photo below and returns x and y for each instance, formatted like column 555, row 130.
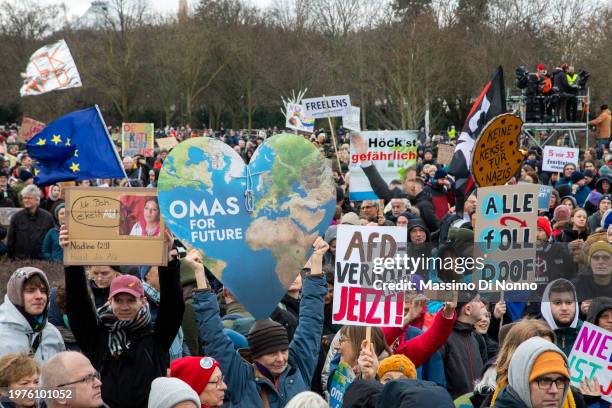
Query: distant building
column 94, row 16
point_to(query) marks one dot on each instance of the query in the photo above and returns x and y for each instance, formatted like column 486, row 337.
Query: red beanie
column 195, row 371
column 541, row 67
column 544, row 223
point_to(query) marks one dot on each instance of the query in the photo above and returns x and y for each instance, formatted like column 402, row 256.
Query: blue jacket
column 244, row 384
column 51, row 249
column 581, row 195
column 432, row 369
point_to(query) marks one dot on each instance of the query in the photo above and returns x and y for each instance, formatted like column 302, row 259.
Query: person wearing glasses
column 75, row 382
column 538, row 377
column 204, row 376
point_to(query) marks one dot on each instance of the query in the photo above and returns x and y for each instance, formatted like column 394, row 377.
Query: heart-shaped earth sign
column 496, row 157
column 255, row 223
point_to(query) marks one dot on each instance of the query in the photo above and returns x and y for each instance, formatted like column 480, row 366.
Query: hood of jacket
column 546, row 310
column 522, row 363
column 600, row 180
column 330, row 234
column 417, row 222
column 414, row 393
column 598, row 306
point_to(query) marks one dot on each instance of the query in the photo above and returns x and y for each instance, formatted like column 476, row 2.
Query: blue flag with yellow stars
column 74, row 147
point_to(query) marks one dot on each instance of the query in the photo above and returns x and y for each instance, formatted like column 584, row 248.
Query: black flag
column 490, row 103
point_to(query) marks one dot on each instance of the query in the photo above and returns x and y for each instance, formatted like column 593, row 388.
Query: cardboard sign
column 555, row 158
column 29, row 128
column 114, row 226
column 166, row 143
column 256, row 223
column 391, row 152
column 497, row 157
column 137, row 138
column 362, row 292
column 445, row 154
column 352, row 121
column 591, row 357
column 544, row 197
column 297, row 120
column 506, row 227
column 332, row 106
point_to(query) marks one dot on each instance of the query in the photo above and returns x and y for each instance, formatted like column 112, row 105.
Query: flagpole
column 113, row 145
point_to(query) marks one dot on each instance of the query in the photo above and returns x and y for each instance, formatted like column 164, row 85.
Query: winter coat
column 581, row 195
column 569, row 235
column 566, row 336
column 441, row 198
column 17, row 335
column 51, row 248
column 246, row 386
column 586, row 288
column 598, row 306
column 126, row 379
column 27, row 232
column 602, row 123
column 464, row 355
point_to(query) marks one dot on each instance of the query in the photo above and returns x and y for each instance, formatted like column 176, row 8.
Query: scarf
column 120, row 331
column 143, row 227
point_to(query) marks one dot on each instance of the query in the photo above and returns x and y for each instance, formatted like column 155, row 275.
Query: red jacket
column 419, row 349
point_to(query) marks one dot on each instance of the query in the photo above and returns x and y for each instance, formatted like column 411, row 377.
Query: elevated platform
column 553, row 131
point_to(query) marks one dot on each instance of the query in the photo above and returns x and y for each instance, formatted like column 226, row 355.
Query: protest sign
column 496, row 157
column 29, row 128
column 12, row 159
column 50, row 68
column 256, row 223
column 544, row 197
column 591, row 357
column 555, row 158
column 326, row 106
column 340, row 382
column 391, row 152
column 166, row 143
column 114, row 226
column 445, row 154
column 506, row 226
column 366, row 292
column 137, row 138
column 352, row 121
column 296, row 119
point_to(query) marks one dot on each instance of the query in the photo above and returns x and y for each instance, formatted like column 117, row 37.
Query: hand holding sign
column 590, row 387
column 367, row 361
column 358, row 143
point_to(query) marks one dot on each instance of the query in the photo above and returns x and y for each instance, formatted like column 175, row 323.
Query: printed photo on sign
column 114, row 226
column 140, row 216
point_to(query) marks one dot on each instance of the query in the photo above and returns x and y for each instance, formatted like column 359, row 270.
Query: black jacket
column 27, row 232
column 126, row 380
column 586, row 288
column 463, row 354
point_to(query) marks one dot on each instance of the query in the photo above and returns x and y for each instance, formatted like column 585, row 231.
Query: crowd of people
column 173, row 336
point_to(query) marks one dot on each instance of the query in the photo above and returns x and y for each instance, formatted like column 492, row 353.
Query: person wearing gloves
column 538, row 377
column 172, row 393
column 280, row 369
column 23, row 316
column 204, row 376
column 559, row 309
column 120, row 339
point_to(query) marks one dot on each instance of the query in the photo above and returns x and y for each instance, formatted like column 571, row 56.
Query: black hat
column 267, row 336
column 25, row 175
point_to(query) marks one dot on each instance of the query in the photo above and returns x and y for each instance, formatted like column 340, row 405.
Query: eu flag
column 75, row 146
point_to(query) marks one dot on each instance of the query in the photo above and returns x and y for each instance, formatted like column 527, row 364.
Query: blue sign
column 544, row 197
column 255, row 223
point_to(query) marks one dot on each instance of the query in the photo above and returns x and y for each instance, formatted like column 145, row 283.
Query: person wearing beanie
column 51, row 248
column 120, row 339
column 280, row 369
column 544, row 230
column 603, row 204
column 350, row 218
column 561, row 217
column 559, row 308
column 170, row 392
column 604, row 170
column 538, row 377
column 204, row 376
column 596, row 281
column 330, row 237
column 606, row 219
column 580, row 188
column 396, row 367
column 28, row 227
column 23, row 316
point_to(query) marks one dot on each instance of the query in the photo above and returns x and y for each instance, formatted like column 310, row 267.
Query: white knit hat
column 167, row 392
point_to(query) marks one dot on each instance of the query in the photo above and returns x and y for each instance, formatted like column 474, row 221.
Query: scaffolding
column 546, row 131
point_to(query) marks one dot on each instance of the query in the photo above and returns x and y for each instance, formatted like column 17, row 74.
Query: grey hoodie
column 545, row 306
column 522, row 362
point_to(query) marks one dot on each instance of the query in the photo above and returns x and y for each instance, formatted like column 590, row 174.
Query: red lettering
column 371, row 319
column 342, row 312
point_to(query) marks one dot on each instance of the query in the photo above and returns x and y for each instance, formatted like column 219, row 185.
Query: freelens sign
column 332, row 106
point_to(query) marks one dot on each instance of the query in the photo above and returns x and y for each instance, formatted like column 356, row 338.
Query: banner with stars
column 76, row 146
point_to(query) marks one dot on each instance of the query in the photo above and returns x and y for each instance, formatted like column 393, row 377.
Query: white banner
column 352, row 121
column 50, row 68
column 332, row 106
column 296, row 119
column 555, row 158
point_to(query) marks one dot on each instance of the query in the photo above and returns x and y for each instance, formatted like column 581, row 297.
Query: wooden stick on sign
column 381, row 208
column 331, row 128
column 368, row 335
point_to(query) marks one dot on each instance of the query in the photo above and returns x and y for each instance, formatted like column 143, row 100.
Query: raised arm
column 171, row 304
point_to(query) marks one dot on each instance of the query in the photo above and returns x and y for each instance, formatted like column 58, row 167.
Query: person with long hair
column 577, row 229
column 148, row 225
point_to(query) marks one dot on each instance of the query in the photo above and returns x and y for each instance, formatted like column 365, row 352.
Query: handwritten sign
column 166, row 143
column 114, row 226
column 496, row 155
column 506, row 225
column 352, row 121
column 591, row 357
column 29, row 128
column 445, row 154
column 137, row 138
column 325, row 106
column 362, row 292
column 555, row 158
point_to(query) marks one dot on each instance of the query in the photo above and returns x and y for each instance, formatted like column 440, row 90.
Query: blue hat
column 440, row 173
column 606, row 220
column 238, row 339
